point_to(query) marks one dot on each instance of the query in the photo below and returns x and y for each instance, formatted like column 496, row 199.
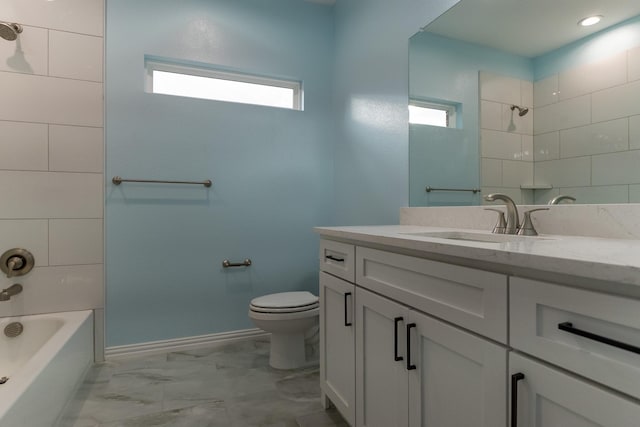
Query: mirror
column 532, row 104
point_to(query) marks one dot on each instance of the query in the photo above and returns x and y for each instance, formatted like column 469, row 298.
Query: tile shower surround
column 51, row 168
column 586, row 131
column 230, row 385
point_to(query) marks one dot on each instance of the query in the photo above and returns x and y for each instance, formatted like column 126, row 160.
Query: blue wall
column 444, row 69
column 371, row 94
column 272, row 168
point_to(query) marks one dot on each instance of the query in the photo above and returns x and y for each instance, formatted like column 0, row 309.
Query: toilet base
column 287, row 351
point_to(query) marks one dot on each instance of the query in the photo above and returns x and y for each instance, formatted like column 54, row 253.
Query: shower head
column 9, row 31
column 521, row 110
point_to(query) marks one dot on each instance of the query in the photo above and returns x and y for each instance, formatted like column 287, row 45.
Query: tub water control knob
column 16, row 262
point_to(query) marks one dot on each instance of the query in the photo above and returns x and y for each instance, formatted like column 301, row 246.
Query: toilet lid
column 286, row 300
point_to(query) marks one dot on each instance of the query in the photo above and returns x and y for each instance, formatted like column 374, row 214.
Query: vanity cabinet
column 430, row 343
column 545, row 396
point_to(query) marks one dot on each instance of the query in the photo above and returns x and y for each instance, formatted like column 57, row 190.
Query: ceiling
column 529, row 27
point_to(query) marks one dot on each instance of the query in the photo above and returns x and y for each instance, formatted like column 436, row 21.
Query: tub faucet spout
column 513, row 222
column 6, row 294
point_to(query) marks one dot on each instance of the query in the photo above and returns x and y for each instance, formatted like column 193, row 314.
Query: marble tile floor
column 223, row 386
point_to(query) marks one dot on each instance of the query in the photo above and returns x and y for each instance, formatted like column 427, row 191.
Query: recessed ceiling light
column 590, row 20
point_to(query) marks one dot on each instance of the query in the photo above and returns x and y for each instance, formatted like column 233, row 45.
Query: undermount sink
column 476, row 237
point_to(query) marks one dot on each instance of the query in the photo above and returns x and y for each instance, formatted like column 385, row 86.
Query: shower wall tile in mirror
column 506, row 135
column 582, row 135
column 587, row 131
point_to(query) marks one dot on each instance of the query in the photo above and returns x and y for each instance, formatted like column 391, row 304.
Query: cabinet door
column 381, row 375
column 457, row 380
column 337, row 344
column 547, row 397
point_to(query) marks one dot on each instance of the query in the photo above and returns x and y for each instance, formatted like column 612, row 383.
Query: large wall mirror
column 518, row 97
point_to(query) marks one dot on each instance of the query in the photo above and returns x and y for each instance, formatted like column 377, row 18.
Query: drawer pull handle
column 514, row 397
column 332, row 258
column 346, row 309
column 395, row 339
column 410, row 366
column 568, row 327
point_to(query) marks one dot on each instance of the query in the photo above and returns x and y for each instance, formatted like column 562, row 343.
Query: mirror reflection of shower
column 17, row 62
column 9, row 31
column 522, row 111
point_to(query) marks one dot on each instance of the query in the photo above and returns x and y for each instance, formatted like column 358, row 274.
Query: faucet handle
column 501, row 225
column 527, row 228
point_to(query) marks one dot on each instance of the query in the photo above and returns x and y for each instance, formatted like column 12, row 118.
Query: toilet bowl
column 288, row 316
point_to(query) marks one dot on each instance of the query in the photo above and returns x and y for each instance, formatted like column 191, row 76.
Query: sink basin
column 476, row 237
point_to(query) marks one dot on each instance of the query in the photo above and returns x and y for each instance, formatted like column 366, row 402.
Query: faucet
column 512, row 211
column 6, row 294
column 556, row 200
column 14, row 263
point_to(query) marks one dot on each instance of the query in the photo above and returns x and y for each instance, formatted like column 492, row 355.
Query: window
column 433, row 114
column 206, row 83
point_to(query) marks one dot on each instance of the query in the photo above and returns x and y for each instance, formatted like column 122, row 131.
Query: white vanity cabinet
column 337, row 330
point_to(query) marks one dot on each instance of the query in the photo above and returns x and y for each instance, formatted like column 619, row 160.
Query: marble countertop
column 592, row 258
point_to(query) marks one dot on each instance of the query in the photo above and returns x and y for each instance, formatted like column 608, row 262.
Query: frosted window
column 169, row 79
column 423, row 113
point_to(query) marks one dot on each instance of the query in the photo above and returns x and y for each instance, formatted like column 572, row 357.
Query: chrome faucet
column 513, row 220
column 6, row 294
column 556, row 200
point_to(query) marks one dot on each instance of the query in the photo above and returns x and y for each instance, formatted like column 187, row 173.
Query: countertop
column 583, row 261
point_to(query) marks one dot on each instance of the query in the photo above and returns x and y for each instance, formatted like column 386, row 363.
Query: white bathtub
column 44, row 365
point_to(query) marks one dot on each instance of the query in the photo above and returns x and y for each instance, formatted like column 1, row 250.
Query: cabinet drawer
column 338, row 259
column 538, row 310
column 473, row 299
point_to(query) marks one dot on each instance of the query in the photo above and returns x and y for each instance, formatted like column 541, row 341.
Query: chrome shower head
column 521, row 110
column 10, row 31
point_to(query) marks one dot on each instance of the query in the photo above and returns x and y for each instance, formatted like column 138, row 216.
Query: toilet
column 290, row 317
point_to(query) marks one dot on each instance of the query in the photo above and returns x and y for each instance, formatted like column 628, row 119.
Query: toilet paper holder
column 226, row 263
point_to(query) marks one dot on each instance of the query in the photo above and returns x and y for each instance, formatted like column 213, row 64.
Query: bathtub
column 44, row 365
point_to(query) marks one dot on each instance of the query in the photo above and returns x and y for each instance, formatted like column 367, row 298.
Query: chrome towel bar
column 118, row 180
column 429, row 189
column 227, row 264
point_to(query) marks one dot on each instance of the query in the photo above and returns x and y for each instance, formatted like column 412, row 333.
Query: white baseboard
column 181, row 344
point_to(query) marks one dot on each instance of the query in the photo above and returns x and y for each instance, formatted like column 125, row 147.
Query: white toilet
column 288, row 316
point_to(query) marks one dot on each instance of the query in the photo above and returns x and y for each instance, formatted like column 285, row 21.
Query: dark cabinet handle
column 568, row 327
column 346, row 309
column 395, row 339
column 332, row 258
column 514, row 397
column 410, row 367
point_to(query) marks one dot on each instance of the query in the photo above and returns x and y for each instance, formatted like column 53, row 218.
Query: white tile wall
column 77, row 16
column 598, row 194
column 526, row 93
column 27, row 54
column 51, row 195
column 76, row 149
column 592, row 77
column 75, row 241
column 617, row 168
column 617, row 102
column 598, row 138
column 75, row 56
column 527, row 148
column 51, row 100
column 634, row 132
column 23, row 146
column 501, row 145
column 53, row 289
column 563, row 115
column 634, row 64
column 515, row 174
column 634, row 193
column 546, row 146
column 545, row 91
column 490, row 115
column 501, row 89
column 573, row 172
column 28, row 234
column 52, row 157
column 491, row 172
